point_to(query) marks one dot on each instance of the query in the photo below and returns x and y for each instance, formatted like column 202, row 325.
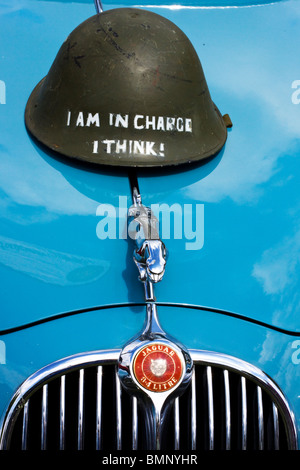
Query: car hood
column 234, row 238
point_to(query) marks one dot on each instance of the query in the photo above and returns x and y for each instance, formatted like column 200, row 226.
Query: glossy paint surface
column 52, row 260
column 51, row 257
column 247, row 259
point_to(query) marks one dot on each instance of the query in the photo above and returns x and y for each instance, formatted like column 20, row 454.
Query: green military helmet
column 126, row 88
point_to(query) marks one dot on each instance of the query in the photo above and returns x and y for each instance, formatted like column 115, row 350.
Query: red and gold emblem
column 158, row 367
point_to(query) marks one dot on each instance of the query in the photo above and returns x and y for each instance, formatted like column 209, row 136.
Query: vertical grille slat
column 193, row 412
column 260, row 419
column 244, row 412
column 62, row 414
column 85, row 408
column 118, row 411
column 80, row 428
column 134, row 423
column 44, row 418
column 275, row 426
column 227, row 410
column 25, row 426
column 210, row 401
column 176, row 425
column 99, row 408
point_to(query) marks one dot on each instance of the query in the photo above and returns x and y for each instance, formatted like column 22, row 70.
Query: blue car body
column 231, row 284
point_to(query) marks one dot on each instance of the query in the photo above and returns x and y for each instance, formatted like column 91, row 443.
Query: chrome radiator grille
column 77, row 403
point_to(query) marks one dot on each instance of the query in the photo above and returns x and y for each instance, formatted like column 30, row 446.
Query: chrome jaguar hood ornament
column 150, row 252
column 152, row 366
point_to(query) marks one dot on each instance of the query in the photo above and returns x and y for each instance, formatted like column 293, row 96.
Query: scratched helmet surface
column 126, row 88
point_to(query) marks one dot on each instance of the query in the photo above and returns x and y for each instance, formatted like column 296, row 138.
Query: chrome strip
column 134, row 424
column 210, row 408
column 260, row 418
column 244, row 413
column 99, row 407
column 193, row 412
column 119, row 412
column 276, row 427
column 25, row 426
column 176, row 425
column 80, row 410
column 95, row 358
column 227, row 410
column 62, row 406
column 44, row 418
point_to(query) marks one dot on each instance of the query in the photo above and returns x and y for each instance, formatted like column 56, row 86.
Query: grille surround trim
column 96, row 358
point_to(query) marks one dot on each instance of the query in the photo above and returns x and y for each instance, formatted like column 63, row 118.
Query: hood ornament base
column 153, row 366
column 156, row 368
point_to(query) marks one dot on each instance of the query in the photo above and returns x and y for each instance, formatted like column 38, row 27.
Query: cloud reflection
column 50, row 266
column 32, row 182
column 278, row 265
column 255, row 89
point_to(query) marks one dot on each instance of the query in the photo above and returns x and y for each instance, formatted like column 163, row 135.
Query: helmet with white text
column 127, row 88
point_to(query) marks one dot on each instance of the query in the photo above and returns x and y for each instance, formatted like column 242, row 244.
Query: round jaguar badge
column 158, row 367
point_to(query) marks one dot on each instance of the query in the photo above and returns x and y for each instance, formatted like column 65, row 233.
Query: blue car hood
column 239, row 246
